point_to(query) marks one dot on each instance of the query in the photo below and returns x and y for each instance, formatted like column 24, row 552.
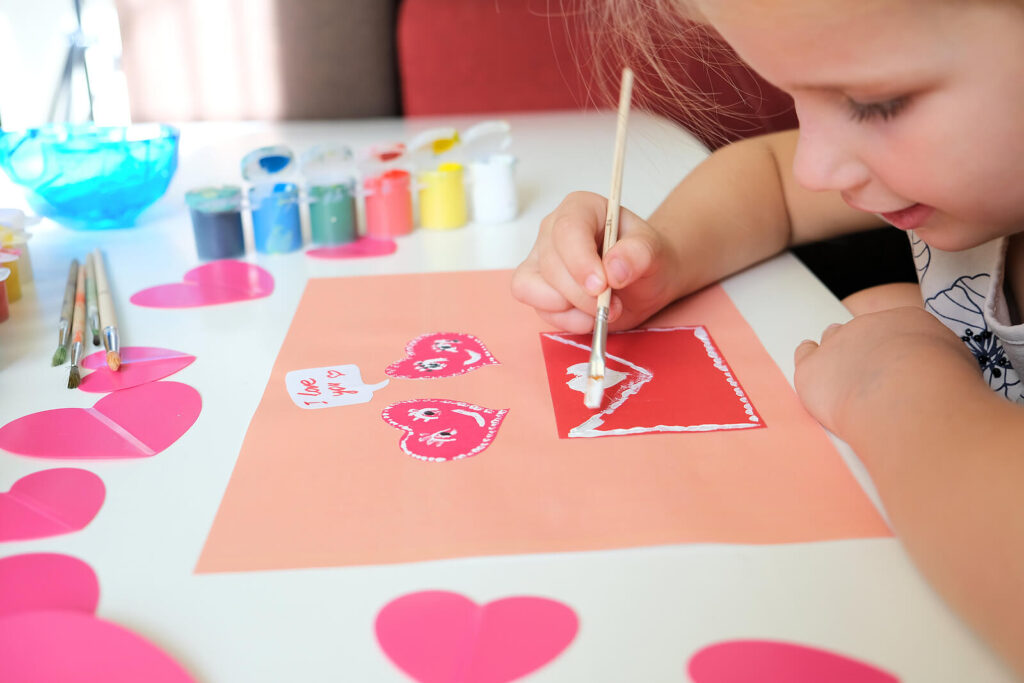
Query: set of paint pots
column 328, row 183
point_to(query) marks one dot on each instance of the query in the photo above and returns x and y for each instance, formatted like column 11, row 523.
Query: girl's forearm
column 742, row 205
column 947, row 457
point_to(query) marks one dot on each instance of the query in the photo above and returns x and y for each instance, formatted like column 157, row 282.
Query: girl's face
column 913, row 109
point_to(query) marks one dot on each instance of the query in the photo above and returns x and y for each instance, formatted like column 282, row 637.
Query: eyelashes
column 883, row 111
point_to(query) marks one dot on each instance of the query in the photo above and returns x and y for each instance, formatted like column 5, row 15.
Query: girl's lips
column 909, row 218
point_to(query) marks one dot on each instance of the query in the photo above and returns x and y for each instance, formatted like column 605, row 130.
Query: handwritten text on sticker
column 335, row 385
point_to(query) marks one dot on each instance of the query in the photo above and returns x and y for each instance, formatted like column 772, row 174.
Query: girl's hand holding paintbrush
column 564, row 272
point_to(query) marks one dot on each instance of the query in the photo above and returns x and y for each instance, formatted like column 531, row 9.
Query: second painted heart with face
column 438, row 430
column 441, row 354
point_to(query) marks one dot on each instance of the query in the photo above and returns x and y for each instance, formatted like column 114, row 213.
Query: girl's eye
column 861, row 111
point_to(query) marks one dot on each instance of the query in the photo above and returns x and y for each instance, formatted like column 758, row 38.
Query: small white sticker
column 335, row 385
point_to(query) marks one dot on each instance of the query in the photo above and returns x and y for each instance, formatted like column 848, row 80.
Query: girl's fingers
column 804, row 349
column 530, row 288
column 572, row 320
column 555, row 273
column 575, row 244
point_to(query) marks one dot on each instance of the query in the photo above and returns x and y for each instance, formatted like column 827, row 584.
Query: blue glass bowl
column 87, row 176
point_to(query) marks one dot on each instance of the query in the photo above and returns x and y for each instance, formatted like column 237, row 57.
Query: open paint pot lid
column 214, row 199
column 4, row 273
column 486, row 138
column 267, row 163
column 329, row 164
column 430, row 144
column 8, row 256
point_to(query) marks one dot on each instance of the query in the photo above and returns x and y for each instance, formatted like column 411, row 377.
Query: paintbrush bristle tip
column 113, row 360
column 74, row 379
column 594, row 394
column 59, row 356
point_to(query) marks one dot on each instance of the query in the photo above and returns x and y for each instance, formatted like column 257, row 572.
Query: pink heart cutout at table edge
column 366, row 247
column 51, row 646
column 219, row 282
column 50, row 503
column 765, row 661
column 132, row 423
column 444, row 637
column 139, row 365
column 40, row 581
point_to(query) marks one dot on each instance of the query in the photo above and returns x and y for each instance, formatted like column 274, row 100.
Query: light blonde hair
column 677, row 58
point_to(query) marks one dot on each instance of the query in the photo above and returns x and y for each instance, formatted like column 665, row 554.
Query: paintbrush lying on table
column 77, row 332
column 595, row 382
column 108, row 318
column 66, row 311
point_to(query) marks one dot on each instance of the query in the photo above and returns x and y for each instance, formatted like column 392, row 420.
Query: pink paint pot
column 5, row 312
column 388, row 204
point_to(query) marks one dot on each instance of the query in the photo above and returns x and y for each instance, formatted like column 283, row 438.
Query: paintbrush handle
column 78, row 321
column 108, row 317
column 92, row 314
column 611, row 221
column 67, row 309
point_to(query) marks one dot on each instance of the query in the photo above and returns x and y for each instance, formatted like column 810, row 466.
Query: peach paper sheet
column 333, row 487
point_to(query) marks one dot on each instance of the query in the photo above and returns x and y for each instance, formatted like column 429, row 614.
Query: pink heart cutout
column 443, row 637
column 39, row 581
column 50, row 503
column 439, row 430
column 139, row 365
column 441, row 354
column 52, row 646
column 133, row 423
column 765, row 661
column 219, row 282
column 367, row 247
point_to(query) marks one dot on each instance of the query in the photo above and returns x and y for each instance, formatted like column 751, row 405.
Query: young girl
column 911, row 114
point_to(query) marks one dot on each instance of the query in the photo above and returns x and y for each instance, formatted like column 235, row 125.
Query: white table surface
column 643, row 612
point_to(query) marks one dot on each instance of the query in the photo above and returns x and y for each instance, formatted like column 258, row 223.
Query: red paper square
column 669, row 380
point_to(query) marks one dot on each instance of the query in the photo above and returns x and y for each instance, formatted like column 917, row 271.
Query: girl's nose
column 826, row 159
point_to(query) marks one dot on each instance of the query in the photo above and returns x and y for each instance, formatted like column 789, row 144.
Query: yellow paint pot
column 443, row 197
column 9, row 260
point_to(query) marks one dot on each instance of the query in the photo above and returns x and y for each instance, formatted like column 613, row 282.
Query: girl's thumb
column 630, row 259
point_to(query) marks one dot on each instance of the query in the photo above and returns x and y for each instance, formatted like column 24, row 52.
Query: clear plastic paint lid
column 328, row 164
column 486, row 138
column 267, row 163
column 427, row 146
column 8, row 256
column 215, row 199
column 4, row 274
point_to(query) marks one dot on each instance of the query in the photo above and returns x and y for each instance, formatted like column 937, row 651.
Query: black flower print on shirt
column 922, row 254
column 960, row 307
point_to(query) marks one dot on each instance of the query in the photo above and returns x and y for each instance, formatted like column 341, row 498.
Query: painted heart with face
column 441, row 354
column 439, row 430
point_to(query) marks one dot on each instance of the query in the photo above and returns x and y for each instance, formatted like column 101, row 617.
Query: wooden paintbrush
column 108, row 318
column 594, row 393
column 92, row 310
column 66, row 313
column 77, row 330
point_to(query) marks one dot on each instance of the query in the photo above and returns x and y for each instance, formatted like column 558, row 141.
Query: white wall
column 33, row 48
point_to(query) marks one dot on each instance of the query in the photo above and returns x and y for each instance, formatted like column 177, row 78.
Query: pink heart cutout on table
column 441, row 354
column 443, row 637
column 52, row 646
column 39, row 581
column 366, row 247
column 765, row 661
column 133, row 423
column 219, row 282
column 139, row 365
column 439, row 430
column 50, row 503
